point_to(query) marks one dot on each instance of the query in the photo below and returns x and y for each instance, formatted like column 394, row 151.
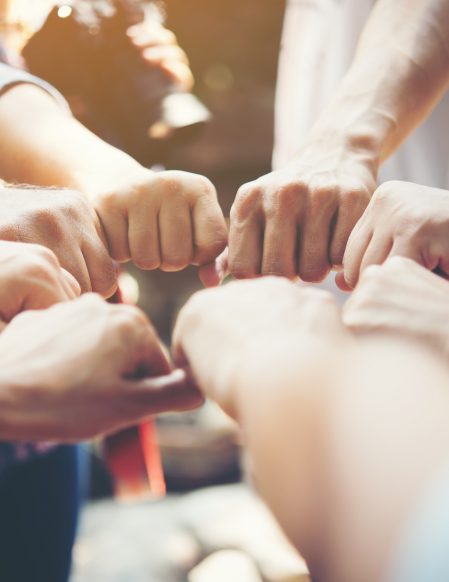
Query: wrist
column 361, row 143
column 352, row 125
column 110, row 174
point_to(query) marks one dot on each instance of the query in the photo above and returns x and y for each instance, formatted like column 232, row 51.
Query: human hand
column 403, row 298
column 84, row 368
column 63, row 222
column 31, row 278
column 219, row 330
column 297, row 220
column 402, row 219
column 159, row 47
column 165, row 220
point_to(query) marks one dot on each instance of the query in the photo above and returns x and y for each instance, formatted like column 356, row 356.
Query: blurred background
column 210, row 526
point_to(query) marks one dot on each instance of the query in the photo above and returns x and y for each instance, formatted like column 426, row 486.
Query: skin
column 64, row 223
column 31, row 278
column 402, row 219
column 82, row 369
column 298, row 385
column 401, row 298
column 296, row 221
column 75, row 368
column 165, row 220
column 159, row 47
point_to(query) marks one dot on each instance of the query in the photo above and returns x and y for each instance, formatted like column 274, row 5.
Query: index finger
column 210, row 234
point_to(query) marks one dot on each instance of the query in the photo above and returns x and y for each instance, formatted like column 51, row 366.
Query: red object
column 133, row 458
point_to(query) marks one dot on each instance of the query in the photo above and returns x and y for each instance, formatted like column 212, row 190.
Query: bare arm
column 400, row 71
column 344, row 438
column 164, row 220
column 42, row 144
column 348, row 451
column 296, row 221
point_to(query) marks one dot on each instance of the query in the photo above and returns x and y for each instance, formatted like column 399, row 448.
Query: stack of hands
column 84, row 367
column 319, row 213
column 273, row 354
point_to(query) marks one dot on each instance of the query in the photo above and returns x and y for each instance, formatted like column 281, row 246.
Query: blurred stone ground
column 220, row 533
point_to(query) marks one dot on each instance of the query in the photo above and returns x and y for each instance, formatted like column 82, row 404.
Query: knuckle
column 356, row 197
column 324, row 195
column 276, row 270
column 285, row 201
column 239, row 271
column 383, row 192
column 248, row 201
column 147, row 263
column 176, row 262
column 291, row 191
column 171, row 184
column 52, row 218
column 314, row 272
column 205, row 187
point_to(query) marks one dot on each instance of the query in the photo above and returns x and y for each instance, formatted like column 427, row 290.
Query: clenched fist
column 402, row 219
column 296, row 221
column 64, row 222
column 165, row 220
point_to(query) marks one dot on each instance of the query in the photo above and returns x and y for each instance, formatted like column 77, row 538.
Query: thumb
column 340, row 281
column 172, row 392
column 213, row 274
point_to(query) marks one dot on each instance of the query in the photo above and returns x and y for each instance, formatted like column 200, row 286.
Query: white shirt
column 318, row 45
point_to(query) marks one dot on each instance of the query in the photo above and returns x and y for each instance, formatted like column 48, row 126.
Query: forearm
column 340, row 443
column 400, row 71
column 42, row 144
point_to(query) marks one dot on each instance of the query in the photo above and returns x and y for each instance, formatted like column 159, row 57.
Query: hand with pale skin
column 64, row 223
column 165, row 220
column 402, row 298
column 296, row 221
column 308, row 397
column 31, row 278
column 218, row 328
column 402, row 219
column 159, row 47
column 84, row 368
